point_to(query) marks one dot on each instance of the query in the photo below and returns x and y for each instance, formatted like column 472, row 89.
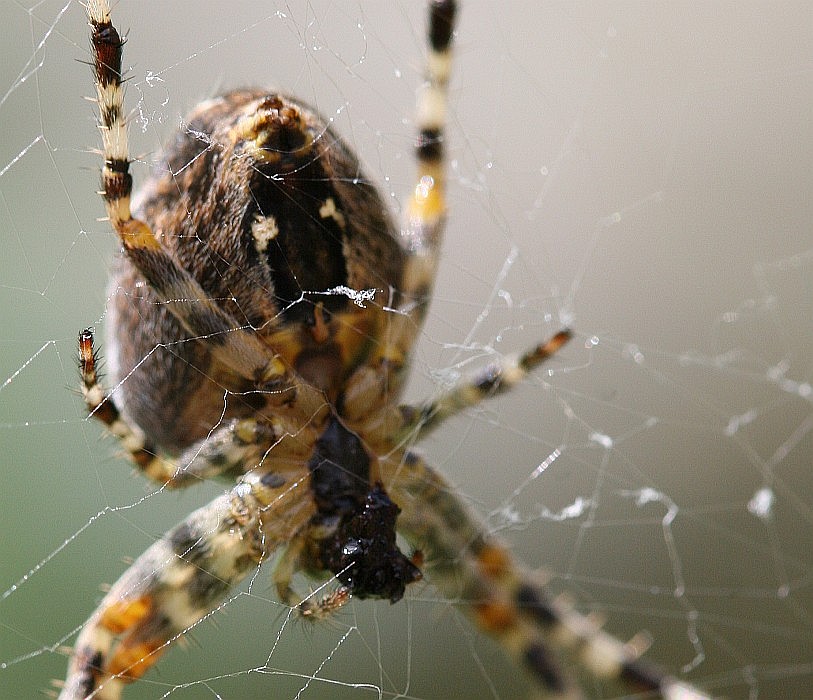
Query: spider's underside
column 262, row 319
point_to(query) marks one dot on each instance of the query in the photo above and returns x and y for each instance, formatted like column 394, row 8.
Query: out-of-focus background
column 640, row 171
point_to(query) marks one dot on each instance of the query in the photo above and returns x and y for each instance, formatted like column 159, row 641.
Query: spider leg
column 289, row 562
column 425, row 213
column 320, row 603
column 468, row 565
column 235, row 346
column 181, row 578
column 229, row 448
column 422, row 230
column 396, row 426
column 426, row 210
column 494, row 380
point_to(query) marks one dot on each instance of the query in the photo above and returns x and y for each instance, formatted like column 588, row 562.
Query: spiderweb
column 637, row 170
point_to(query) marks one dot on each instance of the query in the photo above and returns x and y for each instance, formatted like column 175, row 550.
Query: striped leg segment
column 406, row 424
column 421, row 235
column 468, row 565
column 229, row 448
column 472, row 569
column 425, row 216
column 235, row 346
column 426, row 211
column 180, row 579
column 496, row 379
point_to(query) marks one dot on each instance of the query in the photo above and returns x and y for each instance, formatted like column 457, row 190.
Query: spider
column 263, row 315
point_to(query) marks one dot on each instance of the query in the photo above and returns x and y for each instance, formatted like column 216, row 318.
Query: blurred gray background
column 638, row 170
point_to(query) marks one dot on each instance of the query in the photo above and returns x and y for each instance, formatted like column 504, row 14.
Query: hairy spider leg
column 228, row 449
column 236, row 346
column 421, row 232
column 495, row 379
column 183, row 577
column 507, row 602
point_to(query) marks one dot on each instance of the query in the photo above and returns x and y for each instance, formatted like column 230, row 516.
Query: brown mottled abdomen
column 268, row 210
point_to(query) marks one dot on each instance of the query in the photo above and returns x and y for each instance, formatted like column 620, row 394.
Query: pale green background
column 637, row 161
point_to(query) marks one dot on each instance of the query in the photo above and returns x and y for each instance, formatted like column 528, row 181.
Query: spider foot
column 313, row 610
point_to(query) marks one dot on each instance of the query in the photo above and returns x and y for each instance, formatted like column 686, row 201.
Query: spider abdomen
column 268, row 210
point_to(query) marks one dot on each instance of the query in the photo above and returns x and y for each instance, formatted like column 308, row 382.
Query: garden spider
column 261, row 267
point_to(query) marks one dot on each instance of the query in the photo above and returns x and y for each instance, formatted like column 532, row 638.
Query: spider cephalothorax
column 263, row 314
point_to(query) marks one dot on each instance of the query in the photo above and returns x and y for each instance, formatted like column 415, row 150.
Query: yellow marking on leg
column 136, row 234
column 494, row 561
column 428, row 202
column 125, row 614
column 130, row 663
column 495, row 617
